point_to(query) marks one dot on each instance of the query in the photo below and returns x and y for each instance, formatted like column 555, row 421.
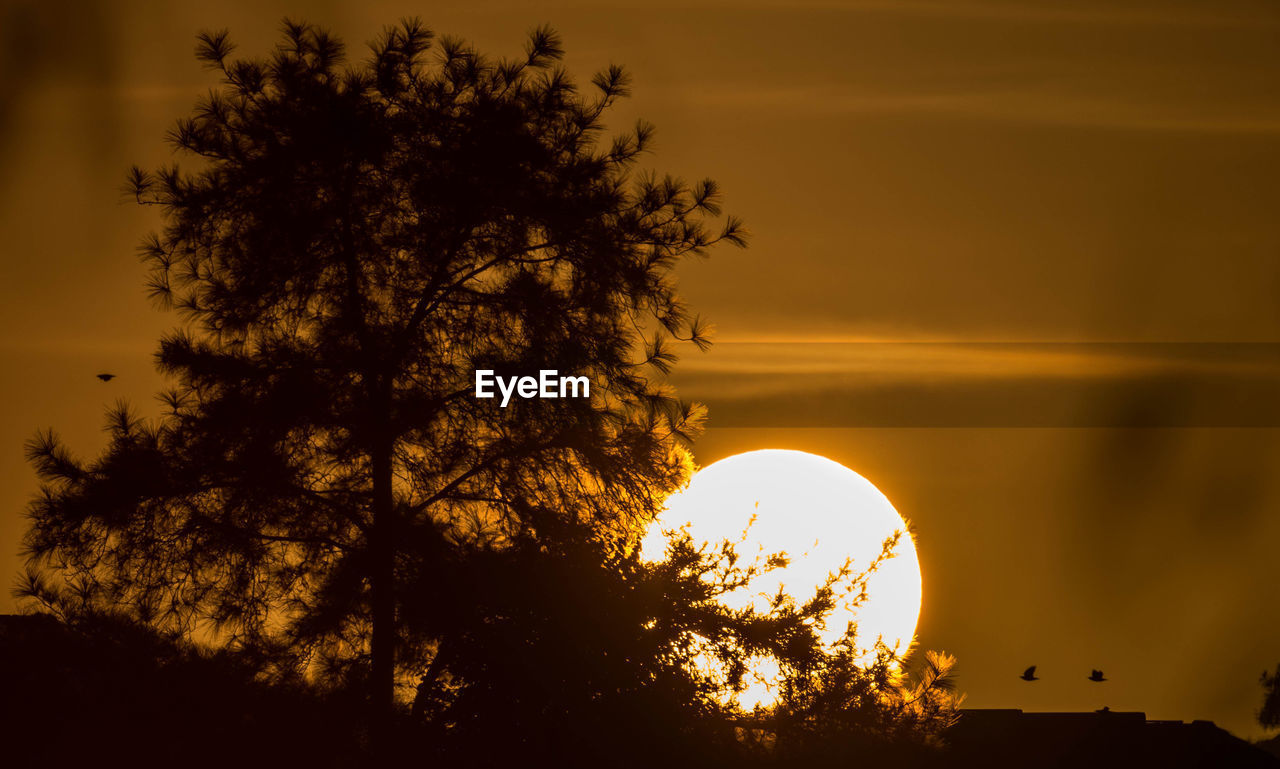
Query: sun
column 819, row 513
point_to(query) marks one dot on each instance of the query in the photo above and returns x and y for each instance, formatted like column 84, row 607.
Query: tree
column 1269, row 715
column 354, row 243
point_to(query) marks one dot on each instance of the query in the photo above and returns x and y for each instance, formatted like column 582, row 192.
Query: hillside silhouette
column 106, row 692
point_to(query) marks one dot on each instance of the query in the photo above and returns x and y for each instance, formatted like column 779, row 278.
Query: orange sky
column 954, row 172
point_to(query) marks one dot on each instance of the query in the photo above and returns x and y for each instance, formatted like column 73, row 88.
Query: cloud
column 986, row 385
column 1085, row 13
column 1031, row 105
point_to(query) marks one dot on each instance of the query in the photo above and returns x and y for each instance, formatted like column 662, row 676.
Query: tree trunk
column 382, row 589
column 427, row 684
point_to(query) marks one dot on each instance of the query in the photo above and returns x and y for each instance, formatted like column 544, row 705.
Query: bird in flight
column 1029, row 674
column 106, row 377
column 1096, row 676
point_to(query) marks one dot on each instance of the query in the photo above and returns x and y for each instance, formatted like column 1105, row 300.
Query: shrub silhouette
column 101, row 690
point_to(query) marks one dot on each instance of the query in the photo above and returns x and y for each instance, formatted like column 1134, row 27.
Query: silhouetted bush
column 106, row 691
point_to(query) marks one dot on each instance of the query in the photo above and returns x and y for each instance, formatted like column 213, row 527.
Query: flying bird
column 106, row 377
column 1029, row 674
column 1096, row 676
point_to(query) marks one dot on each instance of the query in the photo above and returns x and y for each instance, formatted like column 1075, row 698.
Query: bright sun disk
column 819, row 513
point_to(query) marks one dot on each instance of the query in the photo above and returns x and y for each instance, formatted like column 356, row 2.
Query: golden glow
column 819, row 513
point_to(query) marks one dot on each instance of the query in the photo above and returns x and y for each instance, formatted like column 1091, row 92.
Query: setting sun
column 819, row 513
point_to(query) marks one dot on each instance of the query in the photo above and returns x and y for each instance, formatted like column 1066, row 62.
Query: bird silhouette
column 1029, row 674
column 1096, row 676
column 106, row 377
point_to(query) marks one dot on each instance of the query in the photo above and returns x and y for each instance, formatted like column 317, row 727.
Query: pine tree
column 353, row 243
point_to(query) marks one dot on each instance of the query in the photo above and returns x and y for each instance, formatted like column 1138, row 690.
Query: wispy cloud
column 1004, row 385
column 1045, row 106
column 1093, row 13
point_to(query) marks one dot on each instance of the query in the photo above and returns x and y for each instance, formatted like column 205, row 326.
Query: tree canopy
column 353, row 243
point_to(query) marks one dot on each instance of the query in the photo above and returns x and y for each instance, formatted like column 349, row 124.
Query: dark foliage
column 104, row 691
column 578, row 648
column 1269, row 714
column 576, row 645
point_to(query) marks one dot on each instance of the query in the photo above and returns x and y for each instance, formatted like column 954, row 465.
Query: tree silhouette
column 354, row 242
column 577, row 646
column 1269, row 715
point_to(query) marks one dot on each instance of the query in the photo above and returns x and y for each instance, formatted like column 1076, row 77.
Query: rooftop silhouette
column 1099, row 740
